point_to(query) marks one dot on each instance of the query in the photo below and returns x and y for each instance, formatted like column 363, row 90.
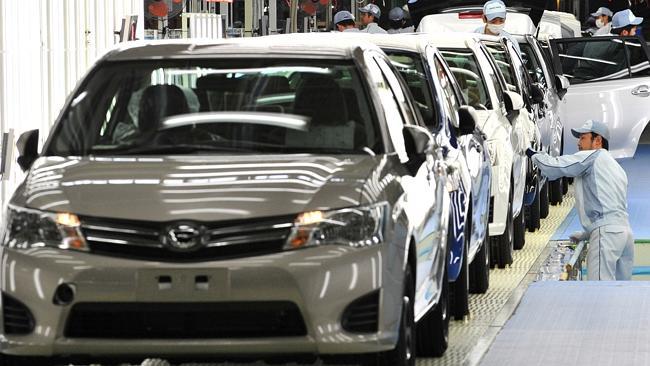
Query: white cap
column 343, row 15
column 494, row 9
column 624, row 18
column 591, row 126
column 602, row 11
column 372, row 9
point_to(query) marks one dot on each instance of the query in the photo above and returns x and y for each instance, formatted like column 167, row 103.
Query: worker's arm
column 565, row 165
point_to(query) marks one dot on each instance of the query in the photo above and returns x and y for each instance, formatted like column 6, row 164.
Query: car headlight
column 27, row 228
column 354, row 227
column 493, row 151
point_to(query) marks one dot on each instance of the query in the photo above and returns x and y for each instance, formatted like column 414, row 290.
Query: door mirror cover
column 514, row 101
column 27, row 146
column 421, row 140
column 562, row 83
column 468, row 119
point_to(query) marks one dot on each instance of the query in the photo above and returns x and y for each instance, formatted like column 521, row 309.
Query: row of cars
column 325, row 194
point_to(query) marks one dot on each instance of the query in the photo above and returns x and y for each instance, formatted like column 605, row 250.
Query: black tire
column 519, row 231
column 404, row 352
column 565, row 185
column 433, row 329
column 479, row 269
column 459, row 293
column 543, row 201
column 533, row 214
column 555, row 192
column 501, row 247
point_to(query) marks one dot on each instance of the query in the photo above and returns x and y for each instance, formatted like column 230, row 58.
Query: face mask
column 599, row 23
column 495, row 28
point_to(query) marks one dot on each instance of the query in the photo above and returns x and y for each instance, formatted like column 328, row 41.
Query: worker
column 603, row 18
column 494, row 19
column 397, row 18
column 344, row 22
column 600, row 199
column 370, row 15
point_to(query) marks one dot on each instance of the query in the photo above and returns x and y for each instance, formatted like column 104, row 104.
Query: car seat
column 158, row 102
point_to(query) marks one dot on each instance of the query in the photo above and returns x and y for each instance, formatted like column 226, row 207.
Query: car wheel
column 433, row 329
column 404, row 352
column 479, row 269
column 565, row 185
column 543, row 201
column 555, row 192
column 460, row 288
column 502, row 246
column 533, row 214
column 519, row 231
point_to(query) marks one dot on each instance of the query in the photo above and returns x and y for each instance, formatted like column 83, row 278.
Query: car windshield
column 182, row 107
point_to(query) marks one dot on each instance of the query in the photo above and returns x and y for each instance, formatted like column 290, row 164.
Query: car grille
column 362, row 316
column 16, row 316
column 223, row 240
column 260, row 319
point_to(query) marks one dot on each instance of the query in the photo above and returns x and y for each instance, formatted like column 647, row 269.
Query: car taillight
column 470, row 15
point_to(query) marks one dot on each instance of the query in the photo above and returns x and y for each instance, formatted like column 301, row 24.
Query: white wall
column 45, row 47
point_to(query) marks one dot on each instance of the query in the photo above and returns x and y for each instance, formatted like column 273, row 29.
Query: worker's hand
column 530, row 152
column 578, row 236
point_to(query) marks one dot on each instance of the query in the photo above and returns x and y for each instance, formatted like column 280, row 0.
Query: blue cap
column 343, row 15
column 602, row 11
column 592, row 126
column 396, row 14
column 624, row 18
column 372, row 9
column 494, row 9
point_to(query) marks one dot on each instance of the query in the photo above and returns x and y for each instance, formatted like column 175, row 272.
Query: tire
column 533, row 218
column 433, row 329
column 555, row 192
column 501, row 247
column 543, row 201
column 565, row 185
column 459, row 293
column 519, row 231
column 404, row 352
column 479, row 269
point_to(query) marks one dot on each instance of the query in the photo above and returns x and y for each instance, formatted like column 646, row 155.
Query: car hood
column 421, row 8
column 194, row 188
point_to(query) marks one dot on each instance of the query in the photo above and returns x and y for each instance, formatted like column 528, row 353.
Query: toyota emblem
column 183, row 237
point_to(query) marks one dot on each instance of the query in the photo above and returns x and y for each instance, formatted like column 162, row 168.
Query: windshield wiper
column 169, row 149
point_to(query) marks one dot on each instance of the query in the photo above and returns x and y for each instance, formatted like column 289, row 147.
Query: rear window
column 124, row 108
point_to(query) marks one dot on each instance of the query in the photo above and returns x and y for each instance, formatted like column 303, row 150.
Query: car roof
column 457, row 39
column 316, row 46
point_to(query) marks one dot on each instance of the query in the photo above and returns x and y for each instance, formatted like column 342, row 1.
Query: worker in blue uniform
column 600, row 199
column 494, row 19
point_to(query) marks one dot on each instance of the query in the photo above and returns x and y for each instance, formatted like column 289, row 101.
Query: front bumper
column 320, row 281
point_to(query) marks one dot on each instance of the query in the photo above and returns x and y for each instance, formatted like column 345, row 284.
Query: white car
column 611, row 86
column 469, row 18
column 485, row 89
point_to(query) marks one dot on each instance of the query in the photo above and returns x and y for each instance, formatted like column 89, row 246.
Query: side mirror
column 537, row 94
column 468, row 119
column 514, row 101
column 27, row 145
column 562, row 83
column 418, row 142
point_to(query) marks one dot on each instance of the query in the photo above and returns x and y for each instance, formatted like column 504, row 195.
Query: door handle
column 641, row 91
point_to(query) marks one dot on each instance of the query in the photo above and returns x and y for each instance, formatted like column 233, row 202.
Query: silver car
column 266, row 196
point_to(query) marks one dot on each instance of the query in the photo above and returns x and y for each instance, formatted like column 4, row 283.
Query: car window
column 639, row 65
column 389, row 104
column 411, row 68
column 501, row 58
column 125, row 105
column 594, row 60
column 532, row 64
column 466, row 70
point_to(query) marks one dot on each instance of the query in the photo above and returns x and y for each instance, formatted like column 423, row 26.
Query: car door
column 425, row 200
column 610, row 82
